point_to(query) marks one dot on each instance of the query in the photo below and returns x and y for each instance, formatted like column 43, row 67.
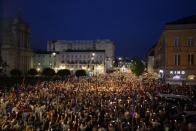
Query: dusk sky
column 134, row 25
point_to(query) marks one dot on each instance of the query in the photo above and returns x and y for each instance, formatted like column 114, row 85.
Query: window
column 177, row 42
column 190, row 59
column 190, row 41
column 177, row 59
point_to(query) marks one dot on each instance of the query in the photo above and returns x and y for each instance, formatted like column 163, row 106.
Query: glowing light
column 38, row 69
column 100, row 69
column 61, row 67
column 171, row 72
column 177, row 77
column 183, row 72
column 160, row 71
column 84, row 67
column 191, row 77
column 54, row 54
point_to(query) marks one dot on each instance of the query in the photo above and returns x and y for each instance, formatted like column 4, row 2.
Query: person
column 116, row 103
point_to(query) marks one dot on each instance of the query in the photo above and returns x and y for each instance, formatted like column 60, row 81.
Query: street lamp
column 92, row 59
column 93, row 54
column 53, row 55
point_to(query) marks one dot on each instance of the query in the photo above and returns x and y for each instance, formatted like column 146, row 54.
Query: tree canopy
column 48, row 72
column 64, row 72
column 137, row 67
column 79, row 73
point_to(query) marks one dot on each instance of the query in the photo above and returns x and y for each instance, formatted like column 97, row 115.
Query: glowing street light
column 54, row 61
column 53, row 54
column 38, row 69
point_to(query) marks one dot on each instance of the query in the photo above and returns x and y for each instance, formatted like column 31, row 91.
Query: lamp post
column 92, row 58
column 54, row 55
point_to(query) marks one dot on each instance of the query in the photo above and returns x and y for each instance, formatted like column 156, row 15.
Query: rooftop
column 85, row 51
column 50, row 52
column 182, row 21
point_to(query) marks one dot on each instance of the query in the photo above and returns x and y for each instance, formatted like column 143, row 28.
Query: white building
column 94, row 56
column 44, row 59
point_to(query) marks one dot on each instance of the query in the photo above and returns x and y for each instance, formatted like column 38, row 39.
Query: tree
column 80, row 73
column 32, row 72
column 64, row 72
column 137, row 67
column 15, row 73
column 48, row 72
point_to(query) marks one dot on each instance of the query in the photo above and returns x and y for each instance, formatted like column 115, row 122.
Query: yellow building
column 175, row 53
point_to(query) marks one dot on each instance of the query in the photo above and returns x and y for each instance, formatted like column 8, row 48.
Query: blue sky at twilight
column 134, row 25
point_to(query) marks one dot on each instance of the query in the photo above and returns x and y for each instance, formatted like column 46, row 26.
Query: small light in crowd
column 160, row 71
column 38, row 69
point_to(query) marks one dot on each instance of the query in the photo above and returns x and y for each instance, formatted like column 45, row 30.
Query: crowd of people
column 112, row 102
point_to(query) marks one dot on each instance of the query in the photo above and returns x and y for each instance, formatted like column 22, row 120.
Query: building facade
column 90, row 60
column 94, row 56
column 175, row 53
column 16, row 52
column 63, row 45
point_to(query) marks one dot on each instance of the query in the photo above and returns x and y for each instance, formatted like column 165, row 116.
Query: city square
column 98, row 65
column 112, row 102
